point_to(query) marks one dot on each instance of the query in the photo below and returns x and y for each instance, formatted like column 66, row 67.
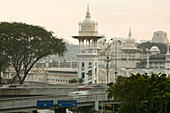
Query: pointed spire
column 130, row 34
column 88, row 13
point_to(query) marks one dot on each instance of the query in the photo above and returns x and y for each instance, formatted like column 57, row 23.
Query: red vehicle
column 84, row 87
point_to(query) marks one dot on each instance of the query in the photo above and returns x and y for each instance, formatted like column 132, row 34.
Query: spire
column 130, row 34
column 88, row 13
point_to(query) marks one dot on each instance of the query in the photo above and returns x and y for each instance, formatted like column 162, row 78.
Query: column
column 79, row 69
column 97, row 73
column 93, row 71
column 86, row 72
column 127, row 60
column 89, row 43
column 147, row 66
column 96, row 105
column 59, row 63
column 93, row 44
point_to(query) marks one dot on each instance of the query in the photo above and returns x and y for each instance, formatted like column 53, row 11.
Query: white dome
column 155, row 48
column 88, row 27
column 130, row 40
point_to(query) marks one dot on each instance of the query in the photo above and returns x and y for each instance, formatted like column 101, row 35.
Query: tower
column 88, row 51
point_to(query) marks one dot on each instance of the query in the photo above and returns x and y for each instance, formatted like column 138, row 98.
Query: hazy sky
column 113, row 16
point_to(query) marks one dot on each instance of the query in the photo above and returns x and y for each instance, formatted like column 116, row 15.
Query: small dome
column 154, row 49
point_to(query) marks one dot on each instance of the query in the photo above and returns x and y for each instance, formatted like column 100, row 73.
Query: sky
column 114, row 17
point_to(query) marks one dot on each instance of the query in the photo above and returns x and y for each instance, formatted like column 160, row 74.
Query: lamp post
column 107, row 60
column 115, row 73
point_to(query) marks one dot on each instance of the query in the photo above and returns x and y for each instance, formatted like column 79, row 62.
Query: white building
column 88, row 49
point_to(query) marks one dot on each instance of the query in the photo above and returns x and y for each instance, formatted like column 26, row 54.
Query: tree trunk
column 15, row 77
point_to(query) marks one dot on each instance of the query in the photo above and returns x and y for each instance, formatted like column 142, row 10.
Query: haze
column 113, row 16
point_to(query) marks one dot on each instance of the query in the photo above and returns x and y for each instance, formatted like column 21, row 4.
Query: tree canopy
column 142, row 93
column 26, row 44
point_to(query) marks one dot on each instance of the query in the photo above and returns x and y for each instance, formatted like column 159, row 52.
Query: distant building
column 144, row 41
column 160, row 37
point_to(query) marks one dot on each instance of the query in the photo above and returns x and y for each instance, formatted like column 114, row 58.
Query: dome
column 130, row 40
column 154, row 49
column 88, row 27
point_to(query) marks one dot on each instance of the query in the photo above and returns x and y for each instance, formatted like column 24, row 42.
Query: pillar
column 96, row 105
column 127, row 61
column 86, row 72
column 89, row 43
column 79, row 68
column 147, row 66
column 93, row 71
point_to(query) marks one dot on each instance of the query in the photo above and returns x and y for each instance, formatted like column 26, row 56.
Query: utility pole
column 107, row 66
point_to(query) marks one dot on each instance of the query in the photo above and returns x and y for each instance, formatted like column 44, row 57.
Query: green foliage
column 73, row 81
column 26, row 44
column 4, row 61
column 78, row 80
column 142, row 93
column 147, row 45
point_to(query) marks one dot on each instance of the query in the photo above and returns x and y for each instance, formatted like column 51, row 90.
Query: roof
column 62, row 69
column 157, row 57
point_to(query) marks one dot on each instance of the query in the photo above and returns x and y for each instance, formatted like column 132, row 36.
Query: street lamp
column 115, row 73
column 107, row 60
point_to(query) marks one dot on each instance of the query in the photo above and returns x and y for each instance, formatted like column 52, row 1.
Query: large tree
column 4, row 60
column 26, row 44
column 142, row 93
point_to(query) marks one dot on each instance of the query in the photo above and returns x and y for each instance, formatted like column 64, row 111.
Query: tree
column 4, row 60
column 72, row 81
column 78, row 80
column 142, row 93
column 26, row 44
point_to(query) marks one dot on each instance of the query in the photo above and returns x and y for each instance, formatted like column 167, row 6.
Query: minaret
column 88, row 51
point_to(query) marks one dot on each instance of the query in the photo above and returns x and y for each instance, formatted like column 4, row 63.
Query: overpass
column 26, row 98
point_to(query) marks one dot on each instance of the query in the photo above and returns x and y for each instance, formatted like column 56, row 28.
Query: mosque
column 97, row 60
